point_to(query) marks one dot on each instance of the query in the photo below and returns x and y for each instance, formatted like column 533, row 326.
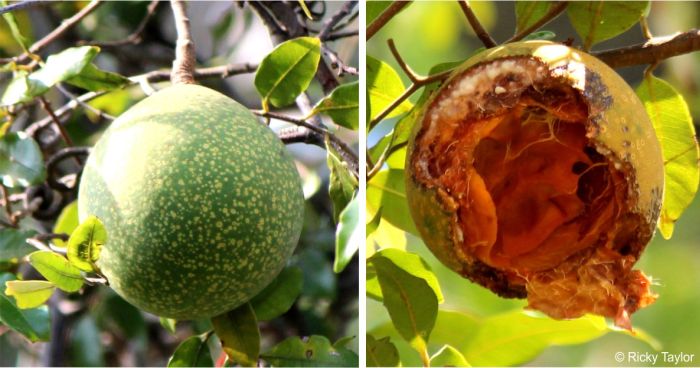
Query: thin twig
column 338, row 35
column 100, row 114
column 479, row 30
column 402, row 63
column 645, row 28
column 8, row 208
column 344, row 11
column 65, row 25
column 554, row 10
column 23, row 5
column 184, row 63
column 652, row 51
column 134, row 37
column 47, row 107
column 385, row 17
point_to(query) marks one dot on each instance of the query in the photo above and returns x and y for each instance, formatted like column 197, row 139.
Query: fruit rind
column 202, row 203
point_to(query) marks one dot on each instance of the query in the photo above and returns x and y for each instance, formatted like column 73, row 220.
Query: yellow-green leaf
column 448, row 357
column 342, row 105
column 384, row 86
column 29, row 294
column 239, row 335
column 387, row 189
column 674, row 128
column 66, row 223
column 56, row 269
column 85, row 244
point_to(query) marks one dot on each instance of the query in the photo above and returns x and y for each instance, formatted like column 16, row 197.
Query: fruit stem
column 183, row 65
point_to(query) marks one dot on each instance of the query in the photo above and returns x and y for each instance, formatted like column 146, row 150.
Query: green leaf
column 58, row 68
column 13, row 243
column 528, row 13
column 85, row 244
column 66, row 223
column 383, row 87
column 32, row 323
column 597, row 21
column 287, row 71
column 316, row 351
column 56, row 269
column 348, row 235
column 374, row 8
column 14, row 28
column 168, row 324
column 239, row 334
column 276, row 299
column 387, row 189
column 410, row 301
column 517, row 337
column 448, row 357
column 414, row 265
column 674, row 128
column 92, row 78
column 29, row 294
column 381, row 353
column 342, row 105
column 21, row 161
column 541, row 35
column 454, row 328
column 373, row 224
column 193, row 352
column 342, row 182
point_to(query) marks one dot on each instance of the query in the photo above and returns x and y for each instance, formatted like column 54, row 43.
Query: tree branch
column 23, row 5
column 554, row 10
column 652, row 51
column 184, row 63
column 65, row 25
column 337, row 17
column 134, row 37
column 479, row 30
column 385, row 17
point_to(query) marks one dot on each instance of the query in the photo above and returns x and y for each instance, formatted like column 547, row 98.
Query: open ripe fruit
column 535, row 172
column 202, row 204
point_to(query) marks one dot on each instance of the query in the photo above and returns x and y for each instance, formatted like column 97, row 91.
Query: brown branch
column 184, row 63
column 479, row 30
column 134, row 37
column 554, row 10
column 344, row 11
column 338, row 35
column 652, row 51
column 8, row 208
column 65, row 25
column 385, row 17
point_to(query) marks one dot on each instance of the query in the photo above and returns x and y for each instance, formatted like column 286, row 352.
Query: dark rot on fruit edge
column 535, row 172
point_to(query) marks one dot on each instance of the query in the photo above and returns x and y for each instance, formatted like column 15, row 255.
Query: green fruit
column 202, row 204
column 535, row 172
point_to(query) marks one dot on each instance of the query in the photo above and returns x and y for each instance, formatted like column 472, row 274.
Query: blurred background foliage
column 430, row 33
column 97, row 327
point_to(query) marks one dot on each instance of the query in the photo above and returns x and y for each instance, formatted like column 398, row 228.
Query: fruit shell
column 202, row 203
column 618, row 127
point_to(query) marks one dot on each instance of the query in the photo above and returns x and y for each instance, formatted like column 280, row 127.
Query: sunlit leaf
column 85, row 244
column 410, row 301
column 315, row 351
column 528, row 13
column 287, row 70
column 239, row 334
column 342, row 182
column 93, row 78
column 279, row 296
column 342, row 105
column 381, row 353
column 67, row 222
column 414, row 265
column 14, row 28
column 168, row 324
column 303, row 6
column 674, row 128
column 373, row 224
column 448, row 357
column 348, row 235
column 387, row 189
column 56, row 269
column 29, row 294
column 193, row 352
column 597, row 21
column 21, row 161
column 32, row 323
column 517, row 337
column 13, row 243
column 383, row 87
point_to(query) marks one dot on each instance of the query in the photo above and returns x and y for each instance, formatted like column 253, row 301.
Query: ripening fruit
column 535, row 172
column 202, row 203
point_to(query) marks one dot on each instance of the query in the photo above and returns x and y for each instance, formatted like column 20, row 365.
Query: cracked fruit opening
column 526, row 165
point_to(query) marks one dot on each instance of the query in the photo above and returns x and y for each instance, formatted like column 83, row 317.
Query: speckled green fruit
column 202, row 203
